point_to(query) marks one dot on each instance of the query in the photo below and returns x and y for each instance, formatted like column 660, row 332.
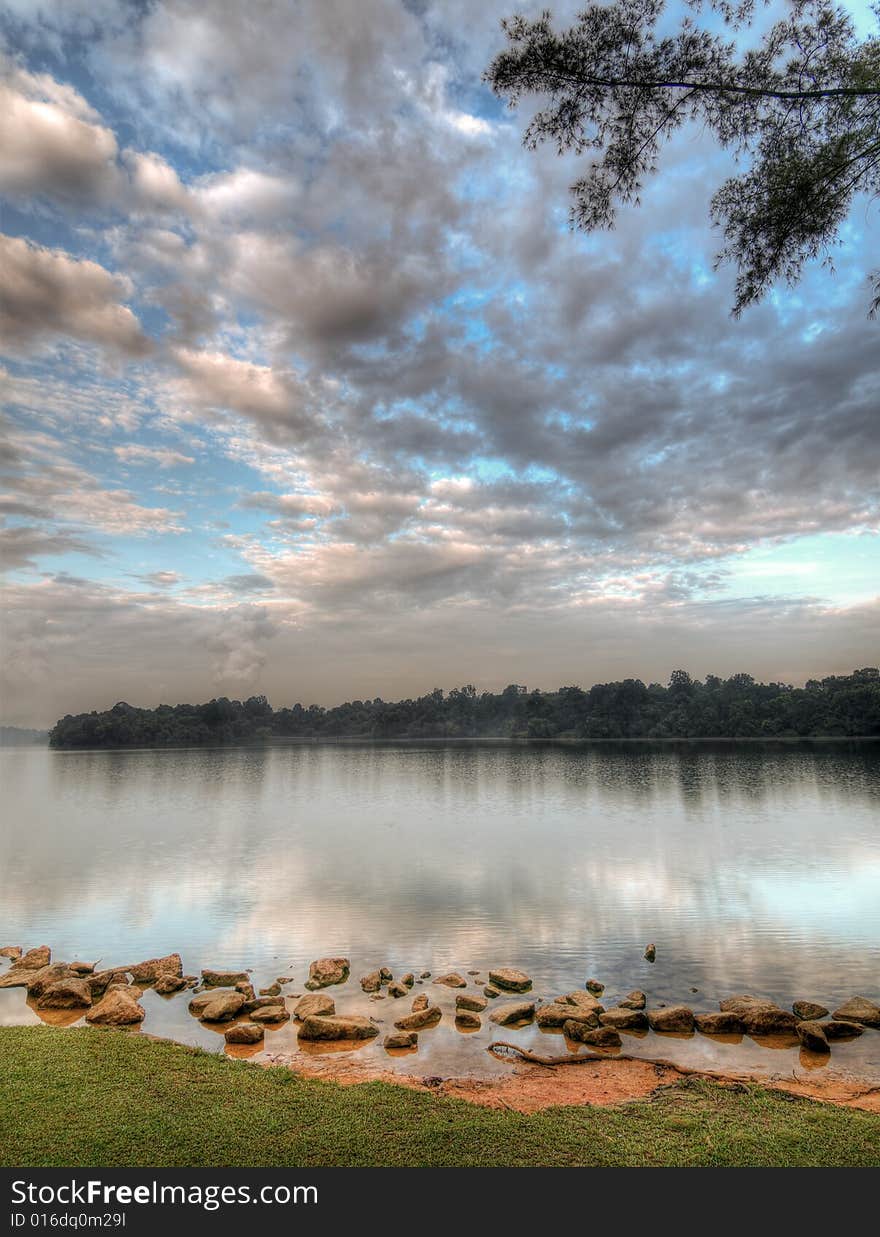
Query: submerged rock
column 596, row 1037
column 859, row 1009
column 452, row 980
column 513, row 1012
column 466, row 1020
column 66, row 994
column 147, row 972
column 165, row 985
column 223, row 1007
column 425, row 975
column 386, row 974
column 671, row 1018
column 224, row 979
column 809, row 1010
column 634, row 1000
column 315, row 1005
column 474, row 1004
column 117, row 1008
column 721, row 1023
column 244, row 1033
column 650, row 952
column 270, row 1013
column 624, row 1019
column 272, row 990
column 400, row 1039
column 354, row 1027
column 812, row 1036
column 326, row 971
column 419, row 1019
column 839, row 1029
column 397, row 990
column 508, row 979
column 408, row 979
column 593, row 985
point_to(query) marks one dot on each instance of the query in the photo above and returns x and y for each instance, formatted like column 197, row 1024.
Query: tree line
column 738, row 707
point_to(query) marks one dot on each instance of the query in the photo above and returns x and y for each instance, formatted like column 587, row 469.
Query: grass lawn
column 106, row 1098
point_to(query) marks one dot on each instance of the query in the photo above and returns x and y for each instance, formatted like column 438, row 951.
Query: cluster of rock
column 110, row 998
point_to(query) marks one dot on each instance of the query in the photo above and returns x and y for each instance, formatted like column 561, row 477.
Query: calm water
column 752, row 868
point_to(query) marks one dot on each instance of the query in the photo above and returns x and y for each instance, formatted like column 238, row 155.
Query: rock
column 812, row 1036
column 513, row 1012
column 223, row 1007
column 81, row 968
column 246, row 990
column 635, row 1000
column 400, row 1039
column 598, row 1037
column 739, row 1004
column 385, row 974
column 556, row 1015
column 165, row 985
column 130, row 989
column 768, row 1020
column 284, row 979
column 203, row 999
column 839, row 1029
column 272, row 990
column 475, row 1004
column 34, row 959
column 11, row 951
column 859, row 1009
column 270, row 1013
column 593, row 985
column 263, row 1002
column 452, row 980
column 117, row 1008
column 508, row 979
column 39, row 981
column 315, row 1027
column 672, row 1018
column 244, row 1033
column 408, row 979
column 624, row 1019
column 727, row 1023
column 420, row 1002
column 425, row 975
column 223, row 979
column 809, row 1010
column 100, row 981
column 491, row 991
column 371, row 982
column 396, row 989
column 420, row 1018
column 582, row 1000
column 66, row 994
column 650, row 952
column 467, row 1021
column 147, row 972
column 377, row 996
column 327, row 971
column 314, row 1006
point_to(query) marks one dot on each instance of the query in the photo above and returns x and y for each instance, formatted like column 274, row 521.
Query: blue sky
column 309, row 389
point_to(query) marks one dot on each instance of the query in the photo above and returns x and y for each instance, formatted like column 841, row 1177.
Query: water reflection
column 752, row 867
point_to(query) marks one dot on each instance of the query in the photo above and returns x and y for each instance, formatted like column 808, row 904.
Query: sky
column 310, row 390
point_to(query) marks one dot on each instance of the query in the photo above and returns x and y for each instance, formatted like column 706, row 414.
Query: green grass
column 89, row 1098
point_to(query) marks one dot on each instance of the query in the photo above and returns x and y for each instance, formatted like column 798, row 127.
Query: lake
column 753, row 868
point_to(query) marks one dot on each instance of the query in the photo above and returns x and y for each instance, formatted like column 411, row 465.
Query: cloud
column 160, row 579
column 46, row 293
column 162, row 457
column 21, row 545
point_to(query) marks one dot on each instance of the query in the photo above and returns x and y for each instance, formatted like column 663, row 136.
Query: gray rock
column 512, row 1013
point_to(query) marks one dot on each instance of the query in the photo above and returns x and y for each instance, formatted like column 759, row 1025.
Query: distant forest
column 738, row 707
